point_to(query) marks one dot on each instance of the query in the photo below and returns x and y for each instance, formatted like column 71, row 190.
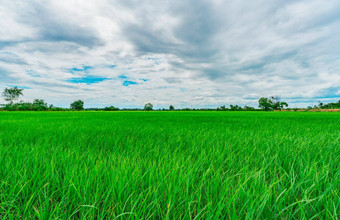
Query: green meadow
column 169, row 165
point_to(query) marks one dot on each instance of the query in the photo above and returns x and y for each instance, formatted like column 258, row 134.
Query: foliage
column 272, row 103
column 37, row 105
column 248, row 108
column 148, row 107
column 12, row 94
column 110, row 108
column 161, row 165
column 265, row 104
column 77, row 105
column 332, row 105
column 235, row 108
column 277, row 104
column 40, row 104
column 21, row 106
column 171, row 108
column 222, row 108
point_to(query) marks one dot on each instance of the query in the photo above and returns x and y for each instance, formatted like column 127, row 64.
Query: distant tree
column 148, row 107
column 39, row 104
column 272, row 103
column 265, row 104
column 222, row 108
column 12, row 94
column 171, row 108
column 332, row 105
column 235, row 108
column 248, row 108
column 77, row 105
column 277, row 104
column 111, row 108
column 283, row 104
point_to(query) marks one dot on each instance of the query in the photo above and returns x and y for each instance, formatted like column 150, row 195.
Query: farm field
column 170, row 165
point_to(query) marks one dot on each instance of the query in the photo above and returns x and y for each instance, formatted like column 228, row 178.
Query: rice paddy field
column 169, row 165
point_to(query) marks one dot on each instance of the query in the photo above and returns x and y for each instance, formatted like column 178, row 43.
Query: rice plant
column 169, row 165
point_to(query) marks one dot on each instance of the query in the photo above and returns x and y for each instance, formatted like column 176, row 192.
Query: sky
column 193, row 53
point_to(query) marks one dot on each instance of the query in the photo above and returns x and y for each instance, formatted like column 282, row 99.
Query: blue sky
column 182, row 53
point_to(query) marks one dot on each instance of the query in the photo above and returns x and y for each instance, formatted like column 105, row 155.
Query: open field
column 155, row 165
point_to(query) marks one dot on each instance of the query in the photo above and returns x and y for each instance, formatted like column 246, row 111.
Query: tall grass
column 169, row 165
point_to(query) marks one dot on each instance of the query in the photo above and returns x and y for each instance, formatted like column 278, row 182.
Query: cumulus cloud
column 185, row 53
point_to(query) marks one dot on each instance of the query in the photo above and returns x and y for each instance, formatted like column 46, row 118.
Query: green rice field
column 169, row 165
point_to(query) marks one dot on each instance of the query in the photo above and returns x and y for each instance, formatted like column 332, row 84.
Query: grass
column 169, row 165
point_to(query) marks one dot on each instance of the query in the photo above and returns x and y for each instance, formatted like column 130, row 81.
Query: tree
column 334, row 105
column 235, row 108
column 265, row 104
column 222, row 108
column 12, row 94
column 248, row 108
column 111, row 108
column 283, row 104
column 77, row 105
column 148, row 107
column 39, row 104
column 171, row 108
column 277, row 104
column 272, row 103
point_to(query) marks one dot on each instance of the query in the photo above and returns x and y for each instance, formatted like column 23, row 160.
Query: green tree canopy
column 265, row 104
column 40, row 104
column 12, row 94
column 148, row 107
column 77, row 105
column 272, row 103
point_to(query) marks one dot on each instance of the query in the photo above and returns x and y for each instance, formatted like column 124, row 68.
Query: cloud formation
column 185, row 53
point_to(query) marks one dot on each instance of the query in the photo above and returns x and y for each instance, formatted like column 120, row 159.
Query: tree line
column 11, row 95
